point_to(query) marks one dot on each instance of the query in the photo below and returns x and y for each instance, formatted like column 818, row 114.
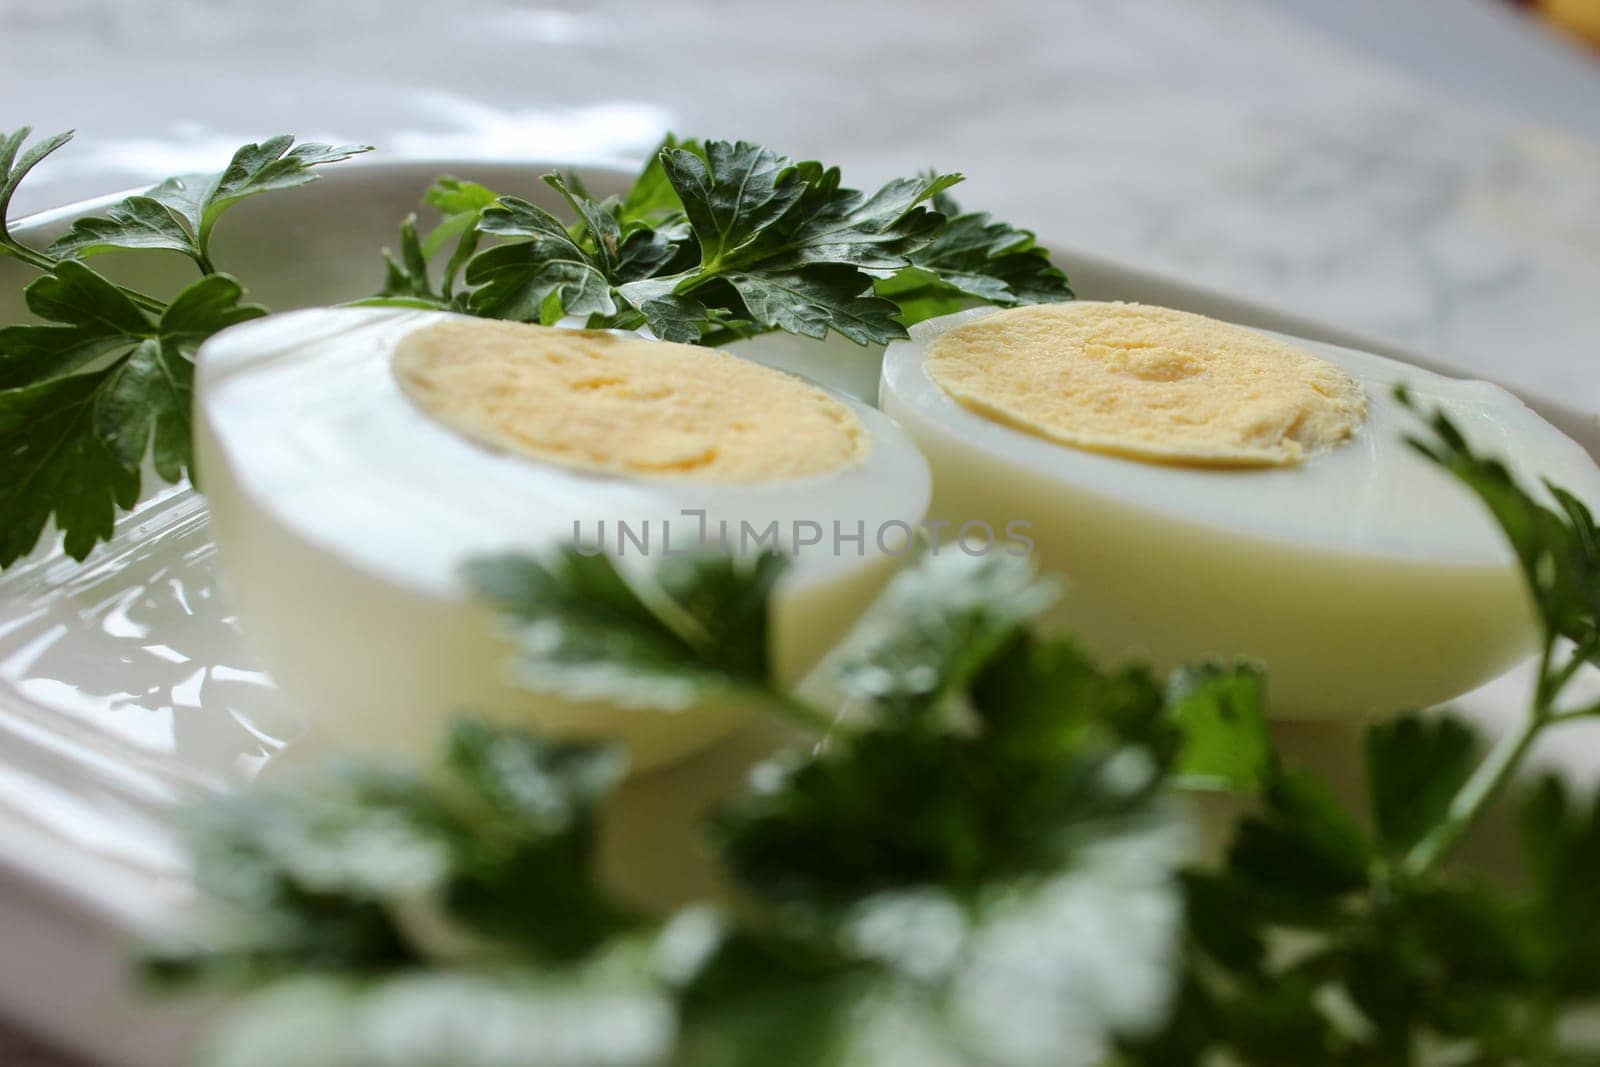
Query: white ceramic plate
column 125, row 686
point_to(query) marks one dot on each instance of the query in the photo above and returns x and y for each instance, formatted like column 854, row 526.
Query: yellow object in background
column 1580, row 17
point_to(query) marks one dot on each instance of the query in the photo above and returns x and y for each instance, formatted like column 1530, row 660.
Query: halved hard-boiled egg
column 1212, row 491
column 355, row 459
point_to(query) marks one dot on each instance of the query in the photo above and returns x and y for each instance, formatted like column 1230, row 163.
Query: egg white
column 343, row 515
column 1366, row 579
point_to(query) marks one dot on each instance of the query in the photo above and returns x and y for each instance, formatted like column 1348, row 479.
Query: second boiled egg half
column 1211, row 491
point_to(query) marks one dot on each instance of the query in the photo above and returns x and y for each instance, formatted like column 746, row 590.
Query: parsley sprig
column 1558, row 549
column 979, row 857
column 982, row 864
column 721, row 240
column 1331, row 937
column 713, row 242
column 104, row 378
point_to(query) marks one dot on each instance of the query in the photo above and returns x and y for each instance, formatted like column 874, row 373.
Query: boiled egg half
column 1211, row 491
column 355, row 459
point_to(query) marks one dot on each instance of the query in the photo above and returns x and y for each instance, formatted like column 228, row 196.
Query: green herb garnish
column 715, row 241
column 719, row 241
column 978, row 863
column 1338, row 937
column 105, row 378
column 984, row 862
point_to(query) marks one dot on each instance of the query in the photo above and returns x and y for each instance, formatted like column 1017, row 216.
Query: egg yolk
column 604, row 402
column 1148, row 383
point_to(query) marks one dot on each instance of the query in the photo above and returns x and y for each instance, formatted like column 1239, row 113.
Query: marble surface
column 1440, row 190
column 1425, row 171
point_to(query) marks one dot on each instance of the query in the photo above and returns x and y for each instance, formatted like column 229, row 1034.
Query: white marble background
column 1426, row 171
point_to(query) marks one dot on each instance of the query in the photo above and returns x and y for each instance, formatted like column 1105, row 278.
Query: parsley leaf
column 597, row 226
column 364, row 868
column 135, row 222
column 623, row 251
column 107, row 377
column 14, row 167
column 544, row 278
column 749, row 205
column 652, row 201
column 407, row 281
column 994, row 873
column 460, row 907
column 1304, row 846
column 561, row 271
column 794, row 245
column 91, row 317
column 585, row 631
column 1415, row 767
column 37, row 353
column 1218, row 712
column 674, row 317
column 144, row 406
column 936, row 626
column 876, row 233
column 731, row 194
column 1560, row 836
column 75, row 439
column 1558, row 548
column 974, row 260
column 720, row 240
column 74, row 294
column 605, row 1013
column 917, row 795
column 1039, row 971
column 276, row 163
column 56, row 465
column 1394, row 957
column 461, row 205
column 180, row 213
column 1385, row 964
column 539, row 862
column 812, row 302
